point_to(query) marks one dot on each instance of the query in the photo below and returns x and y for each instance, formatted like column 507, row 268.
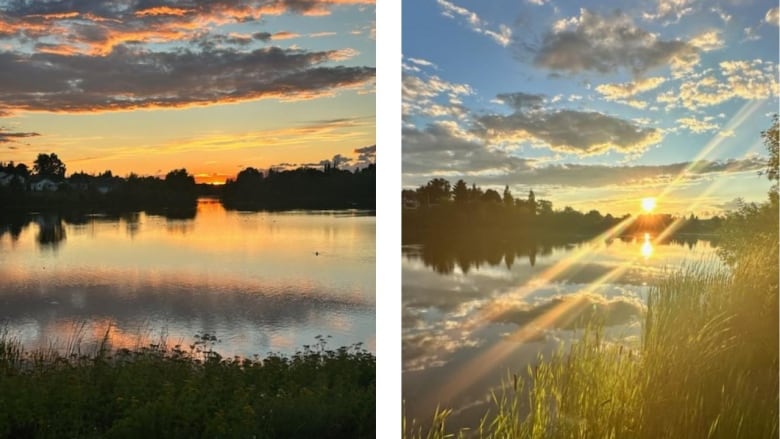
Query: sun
column 648, row 204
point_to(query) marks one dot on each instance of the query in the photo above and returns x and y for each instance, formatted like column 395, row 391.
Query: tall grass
column 170, row 391
column 707, row 366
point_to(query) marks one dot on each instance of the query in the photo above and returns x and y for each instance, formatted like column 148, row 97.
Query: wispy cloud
column 10, row 136
column 502, row 35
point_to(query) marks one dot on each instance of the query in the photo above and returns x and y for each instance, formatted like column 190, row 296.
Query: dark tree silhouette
column 491, row 196
column 509, row 200
column 461, row 192
column 49, row 165
column 437, row 191
column 302, row 188
column 180, row 180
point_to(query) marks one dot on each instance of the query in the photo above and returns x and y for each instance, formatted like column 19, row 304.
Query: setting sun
column 648, row 204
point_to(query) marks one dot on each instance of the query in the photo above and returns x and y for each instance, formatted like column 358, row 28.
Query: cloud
column 580, row 310
column 621, row 92
column 708, row 41
column 750, row 80
column 95, row 27
column 750, row 34
column 569, row 131
column 595, row 176
column 670, row 11
column 284, row 35
column 93, row 55
column 13, row 137
column 697, row 126
column 421, row 62
column 419, row 96
column 521, row 101
column 366, row 153
column 773, row 16
column 130, row 78
column 586, row 176
column 442, row 147
column 722, row 14
column 503, row 36
column 605, row 44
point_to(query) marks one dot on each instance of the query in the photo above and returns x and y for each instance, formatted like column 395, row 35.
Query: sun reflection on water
column 647, row 247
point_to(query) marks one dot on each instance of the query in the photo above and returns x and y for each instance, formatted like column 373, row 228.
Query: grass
column 163, row 391
column 707, row 366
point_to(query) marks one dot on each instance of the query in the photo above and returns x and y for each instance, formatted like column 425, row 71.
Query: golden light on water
column 648, row 204
column 647, row 247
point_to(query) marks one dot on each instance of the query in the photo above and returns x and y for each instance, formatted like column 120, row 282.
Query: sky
column 148, row 86
column 593, row 105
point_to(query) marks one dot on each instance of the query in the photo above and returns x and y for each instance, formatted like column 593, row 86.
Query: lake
column 260, row 281
column 473, row 313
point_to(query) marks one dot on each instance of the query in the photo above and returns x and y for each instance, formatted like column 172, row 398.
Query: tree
column 491, row 196
column 475, row 193
column 49, row 165
column 509, row 200
column 180, row 180
column 532, row 202
column 436, row 191
column 461, row 192
column 21, row 170
column 771, row 139
column 544, row 207
column 249, row 176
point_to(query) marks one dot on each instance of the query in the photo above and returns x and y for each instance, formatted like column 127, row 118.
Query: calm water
column 260, row 281
column 468, row 320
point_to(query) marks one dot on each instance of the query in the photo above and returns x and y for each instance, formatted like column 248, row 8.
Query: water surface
column 473, row 312
column 259, row 281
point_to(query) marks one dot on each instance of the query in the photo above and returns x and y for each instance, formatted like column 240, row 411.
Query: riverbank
column 185, row 391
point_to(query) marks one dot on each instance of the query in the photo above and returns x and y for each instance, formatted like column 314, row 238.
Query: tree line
column 439, row 209
column 302, row 188
column 45, row 186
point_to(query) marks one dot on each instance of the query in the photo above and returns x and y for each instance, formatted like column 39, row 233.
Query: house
column 6, row 179
column 410, row 202
column 44, row 185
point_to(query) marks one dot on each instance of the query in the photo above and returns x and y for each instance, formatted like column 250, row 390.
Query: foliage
column 771, row 138
column 302, row 188
column 49, row 165
column 161, row 391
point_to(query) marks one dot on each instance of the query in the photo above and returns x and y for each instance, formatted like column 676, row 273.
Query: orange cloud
column 162, row 10
column 284, row 35
column 56, row 16
column 58, row 49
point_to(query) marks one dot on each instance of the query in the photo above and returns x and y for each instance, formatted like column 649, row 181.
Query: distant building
column 410, row 202
column 5, row 179
column 44, row 185
column 104, row 188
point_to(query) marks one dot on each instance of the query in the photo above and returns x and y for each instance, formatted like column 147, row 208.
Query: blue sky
column 592, row 104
